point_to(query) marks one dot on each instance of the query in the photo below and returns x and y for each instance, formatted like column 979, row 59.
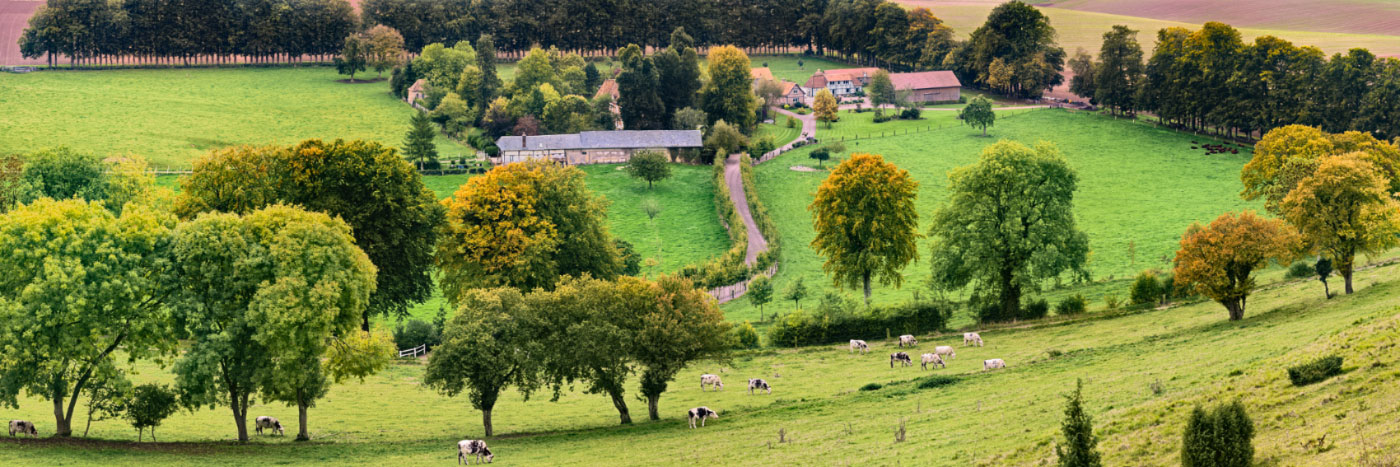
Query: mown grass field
column 1138, row 185
column 173, row 116
column 1010, row 417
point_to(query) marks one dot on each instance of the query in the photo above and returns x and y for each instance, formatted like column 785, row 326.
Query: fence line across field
column 414, row 352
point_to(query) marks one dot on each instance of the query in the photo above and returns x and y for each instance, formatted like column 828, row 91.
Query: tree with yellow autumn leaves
column 866, row 222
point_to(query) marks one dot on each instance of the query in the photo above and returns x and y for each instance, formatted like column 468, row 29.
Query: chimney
column 522, row 142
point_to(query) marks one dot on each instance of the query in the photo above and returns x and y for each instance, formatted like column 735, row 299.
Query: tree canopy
column 649, row 165
column 1008, row 225
column 1216, row 260
column 978, row 113
column 395, row 218
column 1344, row 208
column 865, row 222
column 729, row 95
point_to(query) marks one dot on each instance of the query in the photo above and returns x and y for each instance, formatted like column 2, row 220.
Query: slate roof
column 925, row 80
column 621, row 139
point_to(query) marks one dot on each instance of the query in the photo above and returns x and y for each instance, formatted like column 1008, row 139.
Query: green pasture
column 1188, row 353
column 1138, row 185
column 172, row 116
column 782, row 66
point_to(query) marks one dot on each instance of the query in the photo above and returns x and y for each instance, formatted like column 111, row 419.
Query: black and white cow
column 712, row 381
column 702, row 413
column 908, row 340
column 473, row 447
column 23, row 427
column 268, row 423
column 759, row 384
column 902, row 358
column 857, row 344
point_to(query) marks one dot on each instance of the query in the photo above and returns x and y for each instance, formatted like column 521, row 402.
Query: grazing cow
column 702, row 413
column 269, row 423
column 711, row 380
column 993, row 364
column 902, row 358
column 469, row 447
column 23, row 427
column 945, row 351
column 908, row 340
column 972, row 337
column 931, row 358
column 759, row 384
column 857, row 344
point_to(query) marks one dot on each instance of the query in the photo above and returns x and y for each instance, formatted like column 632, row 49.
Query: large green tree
column 1008, row 225
column 978, row 113
column 1119, row 71
column 677, row 324
column 678, row 67
column 354, row 56
column 493, row 342
column 77, row 285
column 261, row 295
column 638, row 89
column 866, row 223
column 729, row 95
column 395, row 218
column 649, row 165
column 1021, row 38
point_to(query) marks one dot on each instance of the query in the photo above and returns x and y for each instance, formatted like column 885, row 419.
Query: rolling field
column 1137, row 184
column 1085, row 29
column 174, row 116
column 1009, row 417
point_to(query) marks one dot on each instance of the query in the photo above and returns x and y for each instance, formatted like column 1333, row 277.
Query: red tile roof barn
column 608, row 88
column 761, row 73
column 925, row 80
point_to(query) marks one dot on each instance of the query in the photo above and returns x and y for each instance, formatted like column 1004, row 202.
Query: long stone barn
column 595, row 147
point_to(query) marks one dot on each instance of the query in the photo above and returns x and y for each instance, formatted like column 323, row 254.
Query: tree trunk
column 239, row 405
column 1235, row 306
column 61, row 423
column 486, row 421
column 621, row 405
column 865, row 279
column 1325, row 290
column 1346, row 272
column 153, row 435
column 364, row 323
column 654, row 407
column 302, row 434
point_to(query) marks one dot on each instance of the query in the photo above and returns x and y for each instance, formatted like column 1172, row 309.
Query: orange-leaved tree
column 1344, row 208
column 1216, row 260
column 866, row 222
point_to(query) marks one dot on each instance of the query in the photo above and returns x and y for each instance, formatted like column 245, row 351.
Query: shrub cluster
column 937, row 381
column 745, row 336
column 871, row 386
column 1218, row 438
column 991, row 312
column 837, row 325
column 417, row 332
column 1072, row 305
column 1315, row 371
column 1147, row 290
column 1300, row 270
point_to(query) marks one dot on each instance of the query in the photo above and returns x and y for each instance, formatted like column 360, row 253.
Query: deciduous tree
column 1343, row 208
column 354, row 56
column 677, row 324
column 796, row 291
column 880, row 89
column 385, row 48
column 638, row 91
column 865, row 221
column 1008, row 225
column 978, row 113
column 729, row 95
column 825, row 107
column 649, row 165
column 523, row 225
column 79, row 283
column 1217, row 260
column 495, row 341
column 760, row 293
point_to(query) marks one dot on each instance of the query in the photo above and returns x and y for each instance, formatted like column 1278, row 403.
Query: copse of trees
column 1014, row 52
column 171, row 31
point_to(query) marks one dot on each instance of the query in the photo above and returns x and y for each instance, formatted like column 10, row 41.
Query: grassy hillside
column 1190, row 353
column 1138, row 185
column 173, row 116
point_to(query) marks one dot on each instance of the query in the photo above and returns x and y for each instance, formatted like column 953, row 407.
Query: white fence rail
column 414, row 352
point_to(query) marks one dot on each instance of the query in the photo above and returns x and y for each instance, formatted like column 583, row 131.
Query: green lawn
column 174, row 116
column 687, row 231
column 779, row 131
column 1009, row 417
column 1138, row 185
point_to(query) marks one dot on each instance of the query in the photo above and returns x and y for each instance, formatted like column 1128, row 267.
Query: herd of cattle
column 469, row 448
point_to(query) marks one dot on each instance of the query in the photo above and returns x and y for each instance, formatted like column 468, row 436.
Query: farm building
column 609, row 88
column 792, row 94
column 760, row 75
column 928, row 86
column 594, row 147
column 842, row 82
column 419, row 90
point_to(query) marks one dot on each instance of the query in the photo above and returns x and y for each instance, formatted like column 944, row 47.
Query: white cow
column 857, row 344
column 269, row 423
column 908, row 340
column 759, row 384
column 702, row 413
column 945, row 351
column 24, row 428
column 993, row 364
column 931, row 358
column 469, row 447
column 902, row 358
column 711, row 380
column 972, row 337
